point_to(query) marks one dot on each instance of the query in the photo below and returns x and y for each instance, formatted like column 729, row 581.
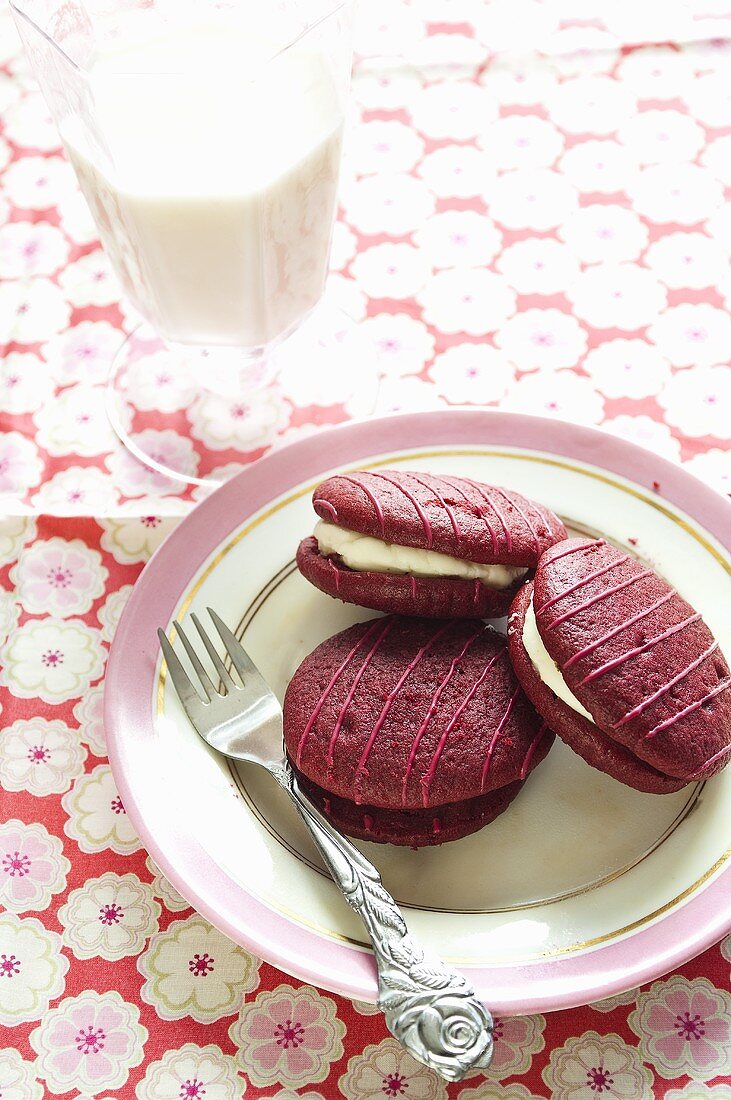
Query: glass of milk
column 206, row 136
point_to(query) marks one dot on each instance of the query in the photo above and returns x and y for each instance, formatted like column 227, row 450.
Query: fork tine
column 242, row 662
column 181, row 681
column 203, row 676
column 213, row 654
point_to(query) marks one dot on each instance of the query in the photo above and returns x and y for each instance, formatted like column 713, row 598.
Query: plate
column 582, row 889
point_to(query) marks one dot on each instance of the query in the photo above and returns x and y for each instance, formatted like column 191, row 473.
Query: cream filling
column 371, row 555
column 545, row 665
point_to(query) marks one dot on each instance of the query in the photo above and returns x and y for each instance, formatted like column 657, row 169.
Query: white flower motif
column 52, row 659
column 521, row 141
column 84, row 353
column 661, row 136
column 77, row 490
column 531, row 198
column 514, row 26
column 111, row 610
column 469, row 300
column 682, row 193
column 454, row 109
column 407, row 395
column 591, row 105
column 59, row 577
column 191, row 1072
column 590, row 1065
column 490, row 1090
column 608, row 1004
column 538, row 266
column 542, row 338
column 687, row 260
column 646, row 432
column 76, row 219
column 166, row 447
column 718, row 227
column 697, row 401
column 39, row 755
column 383, row 147
column 714, row 467
column 395, row 204
column 627, row 368
column 246, row 424
column 622, row 296
column 579, row 51
column 656, row 72
column 20, row 463
column 601, row 166
column 447, row 55
column 76, row 422
column 456, row 171
column 28, row 248
column 164, row 889
column 97, row 817
column 31, row 311
column 366, row 1008
column 459, row 238
column 690, row 335
column 192, row 969
column 696, row 1090
column 38, row 183
column 382, row 30
column 32, row 969
column 561, row 394
column 387, row 1070
column 18, row 1079
column 89, row 1042
column 89, row 713
column 717, row 158
column 90, row 281
column 288, row 1036
column 341, row 294
column 471, row 373
column 377, row 87
column 602, row 231
column 25, row 383
column 28, row 123
column 708, row 99
column 400, row 345
column 519, row 81
column 161, row 381
column 32, row 867
column 390, row 270
column 109, row 917
column 516, row 1039
column 684, row 1027
column 9, row 614
column 134, row 539
column 15, row 531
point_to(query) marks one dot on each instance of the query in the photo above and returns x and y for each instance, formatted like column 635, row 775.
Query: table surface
column 532, row 218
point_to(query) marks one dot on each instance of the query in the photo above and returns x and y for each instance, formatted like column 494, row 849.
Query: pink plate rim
column 545, row 985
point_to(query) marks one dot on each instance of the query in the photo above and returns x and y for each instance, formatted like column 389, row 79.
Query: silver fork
column 430, row 1009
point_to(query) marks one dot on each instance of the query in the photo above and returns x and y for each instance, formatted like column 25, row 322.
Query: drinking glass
column 206, row 136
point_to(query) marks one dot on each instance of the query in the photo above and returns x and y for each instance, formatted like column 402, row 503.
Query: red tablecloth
column 532, row 217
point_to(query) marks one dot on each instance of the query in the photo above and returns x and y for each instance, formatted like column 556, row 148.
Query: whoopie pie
column 414, row 543
column 621, row 667
column 412, row 732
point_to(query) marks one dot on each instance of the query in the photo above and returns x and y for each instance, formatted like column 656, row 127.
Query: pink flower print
column 38, row 754
column 52, row 658
column 110, row 914
column 516, row 1040
column 191, row 1090
column 150, row 521
column 117, row 805
column 20, row 463
column 684, row 1027
column 599, row 1080
column 9, row 966
column 31, row 866
column 90, row 1041
column 59, row 577
column 395, row 1084
column 289, row 1034
column 200, row 965
column 16, row 864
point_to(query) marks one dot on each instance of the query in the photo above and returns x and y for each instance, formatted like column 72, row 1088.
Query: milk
column 212, row 177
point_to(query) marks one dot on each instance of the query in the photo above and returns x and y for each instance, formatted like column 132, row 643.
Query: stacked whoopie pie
column 421, row 727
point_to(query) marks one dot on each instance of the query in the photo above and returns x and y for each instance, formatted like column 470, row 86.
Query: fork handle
column 431, row 1009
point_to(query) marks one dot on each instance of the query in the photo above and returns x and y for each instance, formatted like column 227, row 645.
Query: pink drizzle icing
column 709, row 763
column 665, row 688
column 328, row 507
column 349, row 697
column 639, row 649
column 477, row 592
column 336, row 676
column 413, row 587
column 618, row 629
column 575, row 550
column 523, row 516
column 489, row 500
column 689, row 709
column 428, row 779
column 532, row 750
column 597, row 599
column 436, row 826
column 432, row 707
column 371, row 497
column 368, row 823
column 480, row 511
column 336, row 571
column 419, row 510
column 495, row 737
column 361, row 769
column 450, row 511
column 584, row 580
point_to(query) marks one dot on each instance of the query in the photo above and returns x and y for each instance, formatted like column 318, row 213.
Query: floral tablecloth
column 533, row 218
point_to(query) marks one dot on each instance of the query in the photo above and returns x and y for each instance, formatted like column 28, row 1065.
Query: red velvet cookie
column 410, row 731
column 491, row 537
column 636, row 656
